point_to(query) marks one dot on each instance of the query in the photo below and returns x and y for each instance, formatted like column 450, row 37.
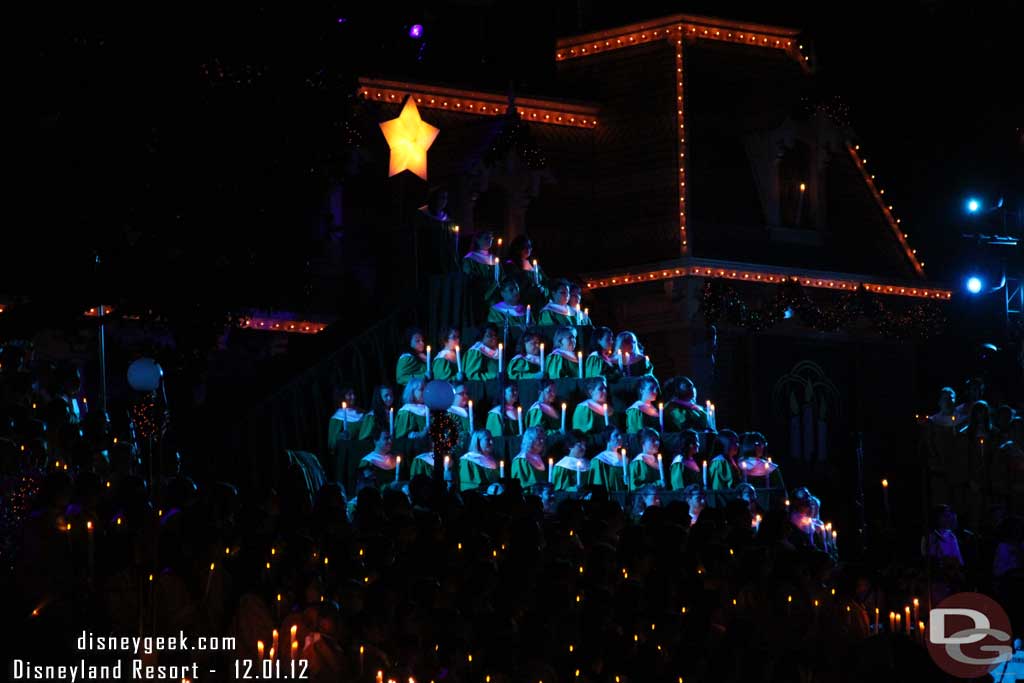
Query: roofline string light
column 816, row 280
column 887, row 210
column 534, row 110
column 755, row 35
column 684, row 242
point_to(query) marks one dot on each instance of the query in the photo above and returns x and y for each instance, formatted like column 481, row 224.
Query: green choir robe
column 560, row 364
column 721, row 474
column 479, row 265
column 557, row 315
column 680, row 416
column 358, row 424
column 526, row 471
column 381, row 467
column 637, row 418
column 598, row 365
column 422, row 464
column 568, row 471
column 502, row 312
column 683, row 472
column 606, row 470
column 412, row 417
column 476, row 470
column 502, row 422
column 544, row 416
column 643, row 470
column 638, row 366
column 481, row 363
column 410, row 366
column 443, row 366
column 524, row 366
column 591, row 417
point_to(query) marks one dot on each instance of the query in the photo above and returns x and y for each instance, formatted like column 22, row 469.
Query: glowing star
column 409, row 138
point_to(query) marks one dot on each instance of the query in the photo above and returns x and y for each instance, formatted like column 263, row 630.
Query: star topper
column 409, row 138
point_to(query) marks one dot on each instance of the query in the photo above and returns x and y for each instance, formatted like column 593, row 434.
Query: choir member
column 644, row 468
column 594, row 414
column 562, row 361
column 685, row 469
column 528, row 465
column 422, row 464
column 503, row 420
column 526, row 363
column 460, row 407
column 682, row 411
column 478, row 466
column 478, row 264
column 543, row 413
column 644, row 413
column 445, row 364
column 572, row 472
column 379, row 464
column 521, row 267
column 481, row 361
column 630, row 357
column 601, row 361
column 509, row 310
column 696, row 500
column 724, row 472
column 557, row 311
column 412, row 363
column 576, row 304
column 382, row 406
column 348, row 422
column 608, row 468
column 411, row 419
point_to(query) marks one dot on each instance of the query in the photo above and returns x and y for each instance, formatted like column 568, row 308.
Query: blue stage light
column 974, row 284
column 973, row 205
column 416, row 31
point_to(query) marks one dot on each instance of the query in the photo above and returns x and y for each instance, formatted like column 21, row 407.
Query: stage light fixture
column 974, row 284
column 416, row 31
column 973, row 205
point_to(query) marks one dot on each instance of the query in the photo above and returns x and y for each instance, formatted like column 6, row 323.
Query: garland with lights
column 721, row 301
column 444, row 434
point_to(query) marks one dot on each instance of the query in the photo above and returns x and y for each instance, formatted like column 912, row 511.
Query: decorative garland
column 444, row 434
column 721, row 301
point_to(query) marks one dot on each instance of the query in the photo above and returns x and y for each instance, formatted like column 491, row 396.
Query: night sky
column 204, row 136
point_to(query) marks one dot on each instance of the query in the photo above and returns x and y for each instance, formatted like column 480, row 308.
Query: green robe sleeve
column 498, row 318
column 557, row 367
column 535, row 417
column 546, row 317
column 565, row 479
column 641, row 474
column 365, row 427
column 500, row 425
column 634, row 421
column 681, row 476
column 479, row 367
column 720, row 475
column 472, row 476
column 420, row 467
column 587, row 421
column 520, row 368
column 334, row 433
column 442, row 368
column 526, row 474
column 593, row 366
column 408, row 367
column 407, row 422
column 608, row 476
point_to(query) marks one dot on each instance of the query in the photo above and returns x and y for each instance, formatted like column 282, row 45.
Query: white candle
column 661, row 468
column 501, row 469
column 456, row 230
column 447, row 468
column 625, row 468
column 586, row 313
column 344, row 416
column 661, row 416
column 551, row 470
column 519, row 419
column 458, row 358
column 579, row 362
column 527, row 314
column 428, row 420
column 391, row 421
column 620, row 359
column 428, row 359
column 536, row 273
column 563, row 417
column 579, row 466
column 542, row 355
column 398, row 466
column 579, row 316
column 705, row 468
column 469, row 411
column 604, row 406
column 627, row 363
column 501, row 351
column 497, row 271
